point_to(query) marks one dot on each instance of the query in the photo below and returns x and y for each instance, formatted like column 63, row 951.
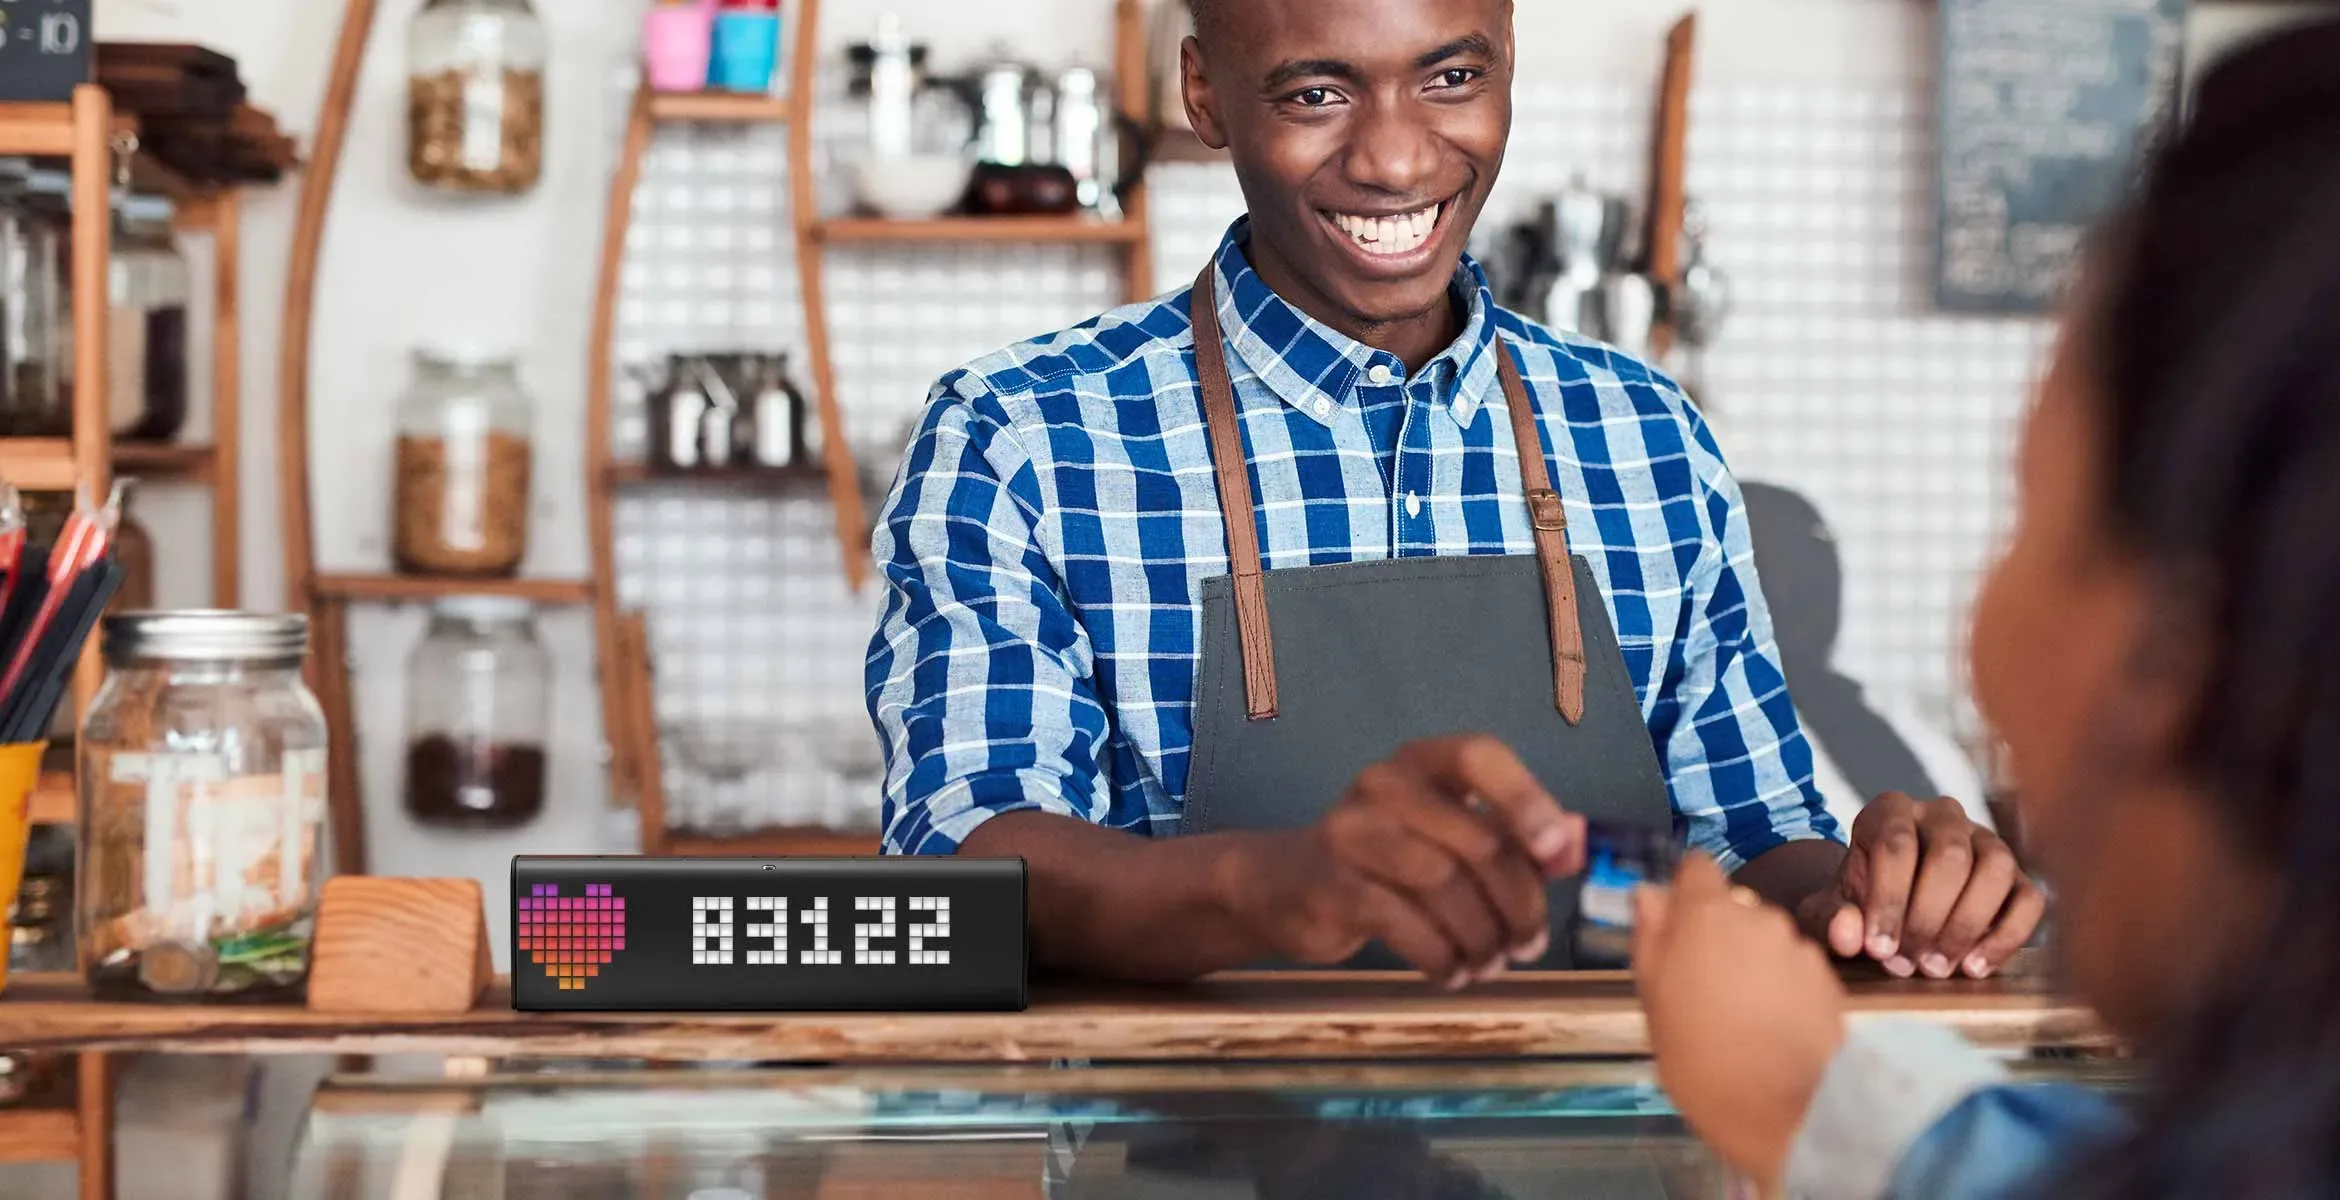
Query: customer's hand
column 1440, row 853
column 1744, row 1014
column 1925, row 890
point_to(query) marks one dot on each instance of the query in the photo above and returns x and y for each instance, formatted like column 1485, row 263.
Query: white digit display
column 711, row 931
column 60, row 33
column 715, row 927
column 882, row 929
column 777, row 908
column 819, row 954
column 940, row 908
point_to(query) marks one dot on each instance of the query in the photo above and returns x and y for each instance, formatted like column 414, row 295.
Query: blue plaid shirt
column 1044, row 550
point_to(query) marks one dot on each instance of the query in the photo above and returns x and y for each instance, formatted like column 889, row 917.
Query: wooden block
column 400, row 946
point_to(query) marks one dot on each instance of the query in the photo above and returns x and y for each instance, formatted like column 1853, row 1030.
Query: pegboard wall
column 1834, row 377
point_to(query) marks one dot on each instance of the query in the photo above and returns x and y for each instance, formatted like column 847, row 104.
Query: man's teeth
column 1390, row 236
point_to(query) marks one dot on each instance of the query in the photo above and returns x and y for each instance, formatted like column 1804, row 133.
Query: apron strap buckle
column 1549, row 514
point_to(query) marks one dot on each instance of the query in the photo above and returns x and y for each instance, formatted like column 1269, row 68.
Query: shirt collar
column 1313, row 367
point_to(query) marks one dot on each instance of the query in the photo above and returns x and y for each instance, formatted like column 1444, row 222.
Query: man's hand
column 1744, row 1014
column 1925, row 889
column 1440, row 853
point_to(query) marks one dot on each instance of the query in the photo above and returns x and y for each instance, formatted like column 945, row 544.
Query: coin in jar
column 178, row 968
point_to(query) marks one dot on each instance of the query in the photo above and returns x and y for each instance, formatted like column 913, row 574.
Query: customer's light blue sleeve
column 1912, row 1112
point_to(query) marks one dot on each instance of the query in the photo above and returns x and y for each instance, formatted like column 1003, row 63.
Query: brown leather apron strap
column 1234, row 473
column 1550, row 518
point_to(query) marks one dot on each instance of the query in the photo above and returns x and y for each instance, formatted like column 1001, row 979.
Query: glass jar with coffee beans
column 475, row 96
column 464, row 452
column 479, row 691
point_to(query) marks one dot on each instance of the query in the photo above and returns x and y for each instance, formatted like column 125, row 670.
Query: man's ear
column 1202, row 105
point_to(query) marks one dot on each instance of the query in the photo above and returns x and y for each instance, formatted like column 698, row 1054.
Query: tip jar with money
column 202, row 806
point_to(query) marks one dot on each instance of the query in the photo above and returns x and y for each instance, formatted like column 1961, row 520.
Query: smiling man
column 1242, row 619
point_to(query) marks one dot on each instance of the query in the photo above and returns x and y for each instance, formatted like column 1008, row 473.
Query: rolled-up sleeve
column 979, row 677
column 1736, row 756
column 1908, row 1111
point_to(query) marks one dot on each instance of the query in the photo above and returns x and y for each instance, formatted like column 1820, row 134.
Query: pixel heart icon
column 571, row 937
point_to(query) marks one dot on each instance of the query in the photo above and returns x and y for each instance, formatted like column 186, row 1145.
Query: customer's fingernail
column 1455, row 982
column 1899, row 967
column 1534, row 950
column 1978, row 966
column 1882, row 945
column 1551, row 841
column 1935, row 965
column 1494, row 968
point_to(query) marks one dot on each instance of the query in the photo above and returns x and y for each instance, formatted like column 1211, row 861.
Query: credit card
column 1618, row 858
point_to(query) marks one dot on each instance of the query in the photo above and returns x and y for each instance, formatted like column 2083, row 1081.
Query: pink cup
column 676, row 42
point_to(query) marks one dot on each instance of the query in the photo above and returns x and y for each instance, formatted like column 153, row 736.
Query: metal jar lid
column 211, row 636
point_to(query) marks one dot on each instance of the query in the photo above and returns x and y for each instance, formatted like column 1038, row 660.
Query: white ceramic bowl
column 912, row 188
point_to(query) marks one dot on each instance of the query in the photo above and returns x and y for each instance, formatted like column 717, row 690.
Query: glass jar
column 475, row 96
column 479, row 695
column 463, row 463
column 202, row 810
column 35, row 229
column 146, row 333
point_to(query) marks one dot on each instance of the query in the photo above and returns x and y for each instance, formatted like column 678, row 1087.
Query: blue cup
column 747, row 46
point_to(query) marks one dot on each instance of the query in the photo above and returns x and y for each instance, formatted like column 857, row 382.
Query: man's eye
column 1458, row 77
column 1315, row 97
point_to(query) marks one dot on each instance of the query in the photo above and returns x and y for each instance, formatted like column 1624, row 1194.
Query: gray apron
column 1365, row 657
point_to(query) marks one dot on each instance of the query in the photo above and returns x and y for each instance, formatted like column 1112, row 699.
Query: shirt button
column 1380, row 375
column 1413, row 504
column 1323, row 406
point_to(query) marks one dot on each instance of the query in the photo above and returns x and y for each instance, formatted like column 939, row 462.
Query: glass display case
column 1518, row 1130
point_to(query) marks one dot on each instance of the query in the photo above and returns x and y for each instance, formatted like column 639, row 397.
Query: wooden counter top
column 1228, row 1017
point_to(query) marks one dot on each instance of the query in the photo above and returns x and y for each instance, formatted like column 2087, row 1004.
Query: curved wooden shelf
column 721, row 108
column 634, row 474
column 415, row 589
column 328, row 623
column 1080, row 230
column 773, row 843
column 165, row 463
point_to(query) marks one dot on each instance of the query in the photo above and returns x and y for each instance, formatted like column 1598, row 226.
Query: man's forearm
column 1113, row 904
column 1790, row 874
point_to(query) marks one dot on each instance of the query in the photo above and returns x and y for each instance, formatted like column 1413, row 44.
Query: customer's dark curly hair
column 2213, row 334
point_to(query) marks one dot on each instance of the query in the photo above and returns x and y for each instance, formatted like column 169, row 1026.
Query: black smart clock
column 629, row 934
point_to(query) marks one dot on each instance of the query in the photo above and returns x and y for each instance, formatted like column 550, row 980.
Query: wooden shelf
column 36, row 130
column 415, row 589
column 164, row 462
column 53, row 799
column 1312, row 1015
column 634, row 474
column 44, row 1126
column 728, row 108
column 1078, row 229
column 773, row 843
column 38, row 464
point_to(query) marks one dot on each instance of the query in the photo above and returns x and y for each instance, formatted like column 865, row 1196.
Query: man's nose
column 1392, row 149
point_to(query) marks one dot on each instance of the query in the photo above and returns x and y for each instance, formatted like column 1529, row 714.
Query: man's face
column 1366, row 133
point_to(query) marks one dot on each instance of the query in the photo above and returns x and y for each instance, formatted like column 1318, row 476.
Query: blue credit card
column 1618, row 859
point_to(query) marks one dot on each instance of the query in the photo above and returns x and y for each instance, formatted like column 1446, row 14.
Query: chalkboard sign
column 44, row 48
column 2045, row 107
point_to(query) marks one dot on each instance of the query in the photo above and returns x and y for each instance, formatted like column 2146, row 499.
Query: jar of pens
column 50, row 597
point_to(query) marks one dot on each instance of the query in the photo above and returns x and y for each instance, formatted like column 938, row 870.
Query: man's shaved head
column 1366, row 135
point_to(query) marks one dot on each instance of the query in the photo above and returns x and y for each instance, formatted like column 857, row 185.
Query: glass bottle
column 479, row 694
column 35, row 230
column 146, row 337
column 463, row 464
column 475, row 96
column 202, row 778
